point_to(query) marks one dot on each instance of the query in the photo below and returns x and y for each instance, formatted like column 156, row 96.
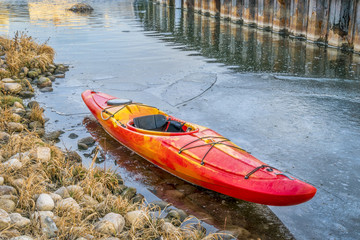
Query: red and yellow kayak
column 195, row 153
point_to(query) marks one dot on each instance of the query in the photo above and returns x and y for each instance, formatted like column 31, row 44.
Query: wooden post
column 356, row 40
column 236, row 11
column 265, row 14
column 298, row 17
column 280, row 16
column 340, row 23
column 215, row 7
column 249, row 13
column 318, row 17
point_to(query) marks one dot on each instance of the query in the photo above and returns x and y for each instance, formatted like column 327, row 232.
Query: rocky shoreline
column 46, row 192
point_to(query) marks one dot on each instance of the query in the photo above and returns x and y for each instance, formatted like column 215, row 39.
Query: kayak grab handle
column 286, row 175
column 258, row 168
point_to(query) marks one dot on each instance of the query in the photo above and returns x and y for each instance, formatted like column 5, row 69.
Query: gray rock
column 19, row 221
column 49, row 227
column 16, row 117
column 73, row 136
column 8, row 80
column 10, row 197
column 15, row 127
column 105, row 227
column 18, row 105
column 41, row 215
column 4, row 137
column 55, row 197
column 129, row 193
column 161, row 204
column 75, row 190
column 7, row 190
column 63, row 192
column 82, row 146
column 43, row 154
column 35, row 125
column 13, row 164
column 26, row 94
column 179, row 213
column 88, row 201
column 19, row 111
column 7, row 205
column 73, row 156
column 5, row 219
column 18, row 182
column 23, row 237
column 138, row 198
column 53, row 136
column 52, row 78
column 117, row 220
column 169, row 228
column 24, row 70
column 68, row 204
column 133, row 216
column 46, row 89
column 45, row 202
column 33, row 104
column 13, row 88
column 32, row 74
column 59, row 75
column 88, row 141
column 81, row 8
column 44, row 82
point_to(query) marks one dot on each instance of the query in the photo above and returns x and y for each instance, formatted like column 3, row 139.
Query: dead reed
column 23, row 51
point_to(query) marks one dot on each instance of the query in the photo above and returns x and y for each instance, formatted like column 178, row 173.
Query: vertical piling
column 318, row 17
column 265, row 14
column 188, row 4
column 197, row 6
column 215, row 7
column 249, row 13
column 334, row 22
column 339, row 22
column 298, row 18
column 280, row 16
column 236, row 13
column 356, row 40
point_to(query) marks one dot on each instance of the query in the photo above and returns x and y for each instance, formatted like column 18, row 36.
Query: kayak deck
column 198, row 155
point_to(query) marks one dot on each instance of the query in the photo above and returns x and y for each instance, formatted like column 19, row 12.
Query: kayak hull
column 200, row 156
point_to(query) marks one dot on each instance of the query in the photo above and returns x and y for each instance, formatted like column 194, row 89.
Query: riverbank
column 46, row 192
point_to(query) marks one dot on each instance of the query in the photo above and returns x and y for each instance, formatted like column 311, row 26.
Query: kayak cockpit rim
column 130, row 126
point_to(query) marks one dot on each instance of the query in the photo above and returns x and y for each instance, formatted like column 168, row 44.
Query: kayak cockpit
column 142, row 118
column 161, row 124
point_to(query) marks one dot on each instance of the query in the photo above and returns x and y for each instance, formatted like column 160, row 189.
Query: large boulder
column 5, row 219
column 117, row 220
column 45, row 202
column 15, row 127
column 7, row 190
column 7, row 205
column 13, row 88
column 44, row 82
column 19, row 221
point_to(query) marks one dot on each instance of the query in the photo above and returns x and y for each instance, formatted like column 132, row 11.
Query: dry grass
column 46, row 176
column 36, row 114
column 23, row 51
column 8, row 101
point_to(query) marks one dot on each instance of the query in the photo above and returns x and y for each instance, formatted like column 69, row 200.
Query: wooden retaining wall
column 332, row 22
